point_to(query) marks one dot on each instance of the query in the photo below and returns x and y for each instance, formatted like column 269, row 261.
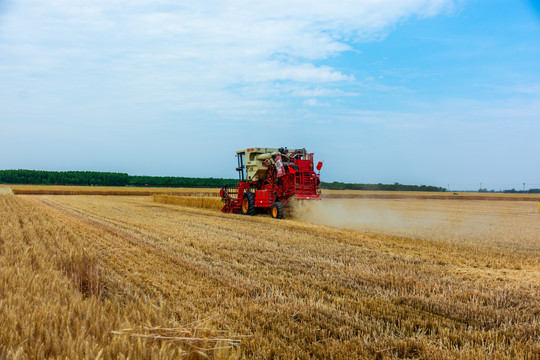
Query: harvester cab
column 269, row 178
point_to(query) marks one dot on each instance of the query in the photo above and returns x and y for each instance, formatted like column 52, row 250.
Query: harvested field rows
column 107, row 190
column 58, row 298
column 300, row 290
column 327, row 194
column 202, row 202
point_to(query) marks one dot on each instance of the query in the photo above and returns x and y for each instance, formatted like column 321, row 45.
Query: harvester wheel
column 277, row 210
column 248, row 204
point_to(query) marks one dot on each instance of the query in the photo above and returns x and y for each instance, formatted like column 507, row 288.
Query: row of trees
column 95, row 178
column 514, row 191
column 36, row 177
column 172, row 181
column 386, row 187
column 511, row 191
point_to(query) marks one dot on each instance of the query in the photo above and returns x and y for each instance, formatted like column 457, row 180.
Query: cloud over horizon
column 208, row 46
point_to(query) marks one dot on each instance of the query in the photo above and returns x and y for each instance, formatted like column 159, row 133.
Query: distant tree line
column 530, row 191
column 385, row 187
column 173, row 181
column 95, row 178
column 511, row 191
column 37, row 177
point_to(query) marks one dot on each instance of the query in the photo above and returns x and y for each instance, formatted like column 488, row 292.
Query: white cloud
column 320, row 92
column 454, row 116
column 114, row 60
column 311, row 102
column 233, row 41
column 527, row 88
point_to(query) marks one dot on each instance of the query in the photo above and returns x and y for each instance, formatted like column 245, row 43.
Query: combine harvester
column 269, row 178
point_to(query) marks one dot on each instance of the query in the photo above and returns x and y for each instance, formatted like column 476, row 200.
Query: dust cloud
column 365, row 214
column 507, row 224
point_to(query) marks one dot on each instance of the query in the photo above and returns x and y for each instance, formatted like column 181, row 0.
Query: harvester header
column 268, row 178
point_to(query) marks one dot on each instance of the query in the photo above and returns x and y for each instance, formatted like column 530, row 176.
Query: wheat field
column 109, row 190
column 203, row 202
column 126, row 276
column 58, row 299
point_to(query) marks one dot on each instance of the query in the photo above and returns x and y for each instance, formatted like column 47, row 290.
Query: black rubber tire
column 277, row 210
column 248, row 204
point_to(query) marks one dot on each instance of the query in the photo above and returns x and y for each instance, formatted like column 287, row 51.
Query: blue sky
column 437, row 92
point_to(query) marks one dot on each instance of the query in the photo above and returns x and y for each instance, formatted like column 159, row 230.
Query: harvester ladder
column 304, row 183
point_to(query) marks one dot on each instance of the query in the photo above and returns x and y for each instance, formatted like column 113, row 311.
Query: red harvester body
column 269, row 178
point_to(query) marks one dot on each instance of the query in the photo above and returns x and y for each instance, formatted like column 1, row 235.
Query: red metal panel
column 264, row 198
column 303, row 164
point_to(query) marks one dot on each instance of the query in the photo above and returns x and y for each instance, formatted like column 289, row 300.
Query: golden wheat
column 203, row 202
column 5, row 190
column 299, row 290
column 108, row 190
column 58, row 299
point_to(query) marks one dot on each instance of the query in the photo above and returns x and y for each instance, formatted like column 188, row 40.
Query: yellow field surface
column 450, row 195
column 77, row 270
column 134, row 191
column 5, row 190
column 107, row 190
column 203, row 202
column 60, row 299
